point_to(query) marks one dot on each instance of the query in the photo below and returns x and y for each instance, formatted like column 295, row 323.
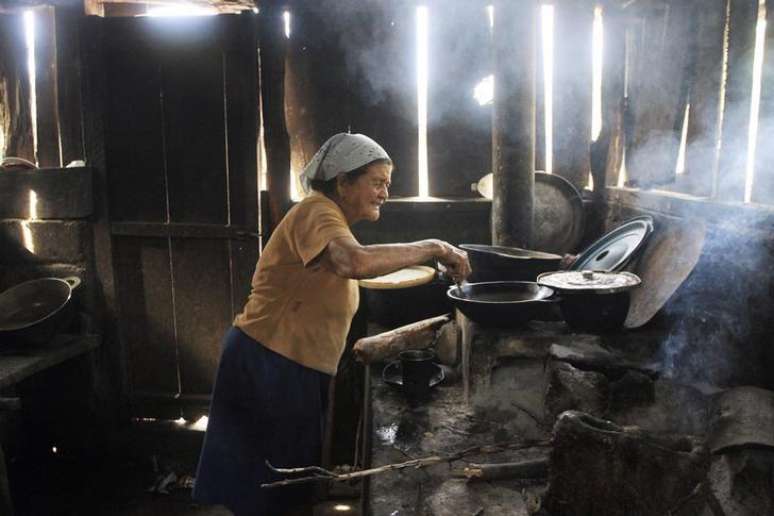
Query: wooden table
column 18, row 364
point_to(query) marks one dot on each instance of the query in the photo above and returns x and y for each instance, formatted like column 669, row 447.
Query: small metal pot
column 33, row 311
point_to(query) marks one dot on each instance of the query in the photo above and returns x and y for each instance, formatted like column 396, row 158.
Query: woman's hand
column 455, row 260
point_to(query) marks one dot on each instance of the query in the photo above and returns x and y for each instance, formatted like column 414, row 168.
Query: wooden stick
column 320, row 474
column 535, row 468
column 416, row 335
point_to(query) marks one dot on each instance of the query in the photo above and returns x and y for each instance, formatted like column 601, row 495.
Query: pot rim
column 495, row 250
column 580, row 290
column 547, row 299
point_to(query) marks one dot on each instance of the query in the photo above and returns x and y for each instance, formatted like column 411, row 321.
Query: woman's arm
column 347, row 258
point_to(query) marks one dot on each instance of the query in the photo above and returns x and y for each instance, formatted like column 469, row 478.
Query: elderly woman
column 277, row 362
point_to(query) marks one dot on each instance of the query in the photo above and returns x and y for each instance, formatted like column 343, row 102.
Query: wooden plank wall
column 459, row 129
column 182, row 119
column 613, row 79
column 382, row 83
column 573, row 22
column 273, row 53
column 316, row 86
column 738, row 92
column 763, row 186
column 66, row 21
column 46, row 96
column 14, row 88
column 657, row 91
column 701, row 158
column 136, row 114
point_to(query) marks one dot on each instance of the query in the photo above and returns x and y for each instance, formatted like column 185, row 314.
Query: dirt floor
column 148, row 471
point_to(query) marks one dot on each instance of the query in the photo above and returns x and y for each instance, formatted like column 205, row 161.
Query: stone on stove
column 742, row 416
column 633, row 388
column 570, row 388
column 600, row 468
column 742, row 482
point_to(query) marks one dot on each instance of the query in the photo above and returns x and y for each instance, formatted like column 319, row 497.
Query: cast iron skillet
column 502, row 304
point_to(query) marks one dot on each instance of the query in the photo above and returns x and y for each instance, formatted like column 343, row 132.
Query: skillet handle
column 73, row 281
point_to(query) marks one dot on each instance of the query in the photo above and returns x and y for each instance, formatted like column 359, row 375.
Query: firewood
column 526, row 469
column 418, row 335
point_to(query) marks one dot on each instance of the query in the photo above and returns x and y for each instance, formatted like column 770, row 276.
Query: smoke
column 718, row 321
column 379, row 42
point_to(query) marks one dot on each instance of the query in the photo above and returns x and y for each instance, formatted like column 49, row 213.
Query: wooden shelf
column 17, row 364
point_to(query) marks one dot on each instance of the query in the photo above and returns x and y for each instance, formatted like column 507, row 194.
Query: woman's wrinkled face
column 363, row 198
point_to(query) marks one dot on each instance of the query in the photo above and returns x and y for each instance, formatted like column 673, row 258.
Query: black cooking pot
column 396, row 307
column 503, row 304
column 592, row 301
column 33, row 311
column 499, row 263
column 594, row 312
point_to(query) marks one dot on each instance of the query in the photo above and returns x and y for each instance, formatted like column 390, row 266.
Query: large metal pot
column 503, row 304
column 33, row 311
column 592, row 301
column 499, row 263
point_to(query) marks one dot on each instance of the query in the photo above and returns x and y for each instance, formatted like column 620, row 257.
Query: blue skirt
column 264, row 407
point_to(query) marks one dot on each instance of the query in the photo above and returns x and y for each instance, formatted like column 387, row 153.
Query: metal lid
column 599, row 282
column 412, row 276
column 615, row 249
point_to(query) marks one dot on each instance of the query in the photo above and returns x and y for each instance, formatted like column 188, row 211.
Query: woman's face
column 363, row 198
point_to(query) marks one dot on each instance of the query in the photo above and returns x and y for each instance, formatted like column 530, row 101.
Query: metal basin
column 34, row 310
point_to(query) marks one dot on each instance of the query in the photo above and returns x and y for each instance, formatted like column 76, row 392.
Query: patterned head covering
column 342, row 153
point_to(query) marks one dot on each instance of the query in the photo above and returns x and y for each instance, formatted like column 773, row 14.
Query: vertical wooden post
column 614, row 60
column 763, row 186
column 701, row 156
column 273, row 51
column 94, row 92
column 15, row 110
column 46, row 88
column 67, row 19
column 513, row 124
column 573, row 26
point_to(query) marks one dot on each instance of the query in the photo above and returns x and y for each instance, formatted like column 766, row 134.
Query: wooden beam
column 513, row 123
column 179, row 230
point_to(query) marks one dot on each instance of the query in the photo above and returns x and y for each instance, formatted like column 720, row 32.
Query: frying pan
column 503, row 304
column 33, row 311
